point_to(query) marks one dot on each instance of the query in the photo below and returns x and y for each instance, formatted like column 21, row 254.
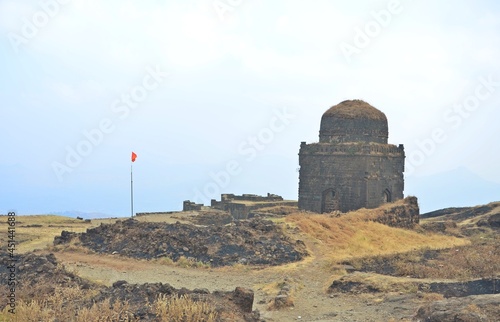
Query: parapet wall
column 250, row 197
column 351, row 149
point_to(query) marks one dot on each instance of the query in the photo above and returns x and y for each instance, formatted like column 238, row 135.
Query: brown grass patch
column 63, row 304
column 432, row 297
column 355, row 109
column 38, row 231
column 353, row 236
column 181, row 309
column 467, row 262
column 66, row 304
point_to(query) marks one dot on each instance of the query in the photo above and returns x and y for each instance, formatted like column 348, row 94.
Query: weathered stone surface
column 494, row 221
column 119, row 283
column 65, row 237
column 403, row 214
column 352, row 166
column 281, row 301
column 243, row 297
column 480, row 308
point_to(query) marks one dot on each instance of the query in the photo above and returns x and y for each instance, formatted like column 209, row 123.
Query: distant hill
column 456, row 188
column 84, row 215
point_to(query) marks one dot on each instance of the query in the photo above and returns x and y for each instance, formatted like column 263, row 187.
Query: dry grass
column 189, row 263
column 184, row 262
column 475, row 261
column 352, row 236
column 183, row 309
column 65, row 304
column 432, row 297
column 38, row 231
column 355, row 109
column 271, row 289
column 50, row 310
column 104, row 311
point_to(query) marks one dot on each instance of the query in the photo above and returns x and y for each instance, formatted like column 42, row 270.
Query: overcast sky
column 216, row 96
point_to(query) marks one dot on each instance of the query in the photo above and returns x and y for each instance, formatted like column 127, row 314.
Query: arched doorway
column 330, row 201
column 386, row 196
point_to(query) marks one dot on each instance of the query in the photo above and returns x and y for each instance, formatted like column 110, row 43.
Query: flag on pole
column 134, row 156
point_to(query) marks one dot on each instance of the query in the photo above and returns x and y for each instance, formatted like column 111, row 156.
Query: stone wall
column 403, row 214
column 240, row 206
column 353, row 130
column 250, row 197
column 242, row 211
column 349, row 176
column 188, row 205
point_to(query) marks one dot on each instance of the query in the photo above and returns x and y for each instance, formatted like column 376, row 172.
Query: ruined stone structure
column 241, row 207
column 188, row 205
column 352, row 166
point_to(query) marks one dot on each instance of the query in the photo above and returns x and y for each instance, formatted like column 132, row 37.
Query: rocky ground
column 253, row 242
column 465, row 221
column 42, row 274
column 113, row 262
column 464, row 279
column 472, row 308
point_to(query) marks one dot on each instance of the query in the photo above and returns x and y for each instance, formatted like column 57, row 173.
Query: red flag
column 134, row 156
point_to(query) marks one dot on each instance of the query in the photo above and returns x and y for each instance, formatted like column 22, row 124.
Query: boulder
column 243, row 297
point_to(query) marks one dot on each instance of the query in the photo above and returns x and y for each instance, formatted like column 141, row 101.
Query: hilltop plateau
column 383, row 264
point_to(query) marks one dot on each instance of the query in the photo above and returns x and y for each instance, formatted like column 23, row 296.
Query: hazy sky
column 216, row 96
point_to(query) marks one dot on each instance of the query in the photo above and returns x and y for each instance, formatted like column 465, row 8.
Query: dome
column 353, row 121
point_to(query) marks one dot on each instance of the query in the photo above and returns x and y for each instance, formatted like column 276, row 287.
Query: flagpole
column 131, row 192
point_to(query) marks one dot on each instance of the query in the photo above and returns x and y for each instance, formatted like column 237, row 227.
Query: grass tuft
column 183, row 308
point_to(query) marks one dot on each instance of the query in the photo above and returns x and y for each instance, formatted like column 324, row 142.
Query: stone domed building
column 352, row 166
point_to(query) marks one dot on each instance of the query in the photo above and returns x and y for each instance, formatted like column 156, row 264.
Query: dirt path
column 310, row 277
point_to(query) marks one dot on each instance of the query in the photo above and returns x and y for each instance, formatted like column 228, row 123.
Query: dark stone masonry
column 352, row 166
column 240, row 207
